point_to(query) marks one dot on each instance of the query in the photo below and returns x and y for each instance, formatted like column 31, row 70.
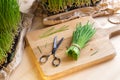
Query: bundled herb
column 81, row 36
column 9, row 20
column 57, row 6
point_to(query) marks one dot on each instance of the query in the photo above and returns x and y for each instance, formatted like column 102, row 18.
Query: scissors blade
column 55, row 45
column 55, row 42
column 59, row 42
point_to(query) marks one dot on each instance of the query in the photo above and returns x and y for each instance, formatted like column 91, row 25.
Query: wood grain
column 100, row 42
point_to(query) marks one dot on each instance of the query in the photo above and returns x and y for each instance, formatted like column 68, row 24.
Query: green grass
column 9, row 20
column 81, row 36
column 52, row 31
column 56, row 6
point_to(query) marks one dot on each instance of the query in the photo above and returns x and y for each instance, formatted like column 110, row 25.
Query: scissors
column 56, row 61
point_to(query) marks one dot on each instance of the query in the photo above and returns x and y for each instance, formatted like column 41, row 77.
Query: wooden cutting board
column 100, row 44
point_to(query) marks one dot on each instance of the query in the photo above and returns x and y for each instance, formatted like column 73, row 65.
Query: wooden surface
column 109, row 70
column 106, row 71
column 105, row 51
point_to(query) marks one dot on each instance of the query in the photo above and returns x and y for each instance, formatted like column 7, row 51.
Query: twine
column 76, row 45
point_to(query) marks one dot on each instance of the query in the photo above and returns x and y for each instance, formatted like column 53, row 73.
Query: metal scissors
column 56, row 61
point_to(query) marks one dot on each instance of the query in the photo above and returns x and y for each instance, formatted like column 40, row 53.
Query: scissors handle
column 44, row 58
column 56, row 61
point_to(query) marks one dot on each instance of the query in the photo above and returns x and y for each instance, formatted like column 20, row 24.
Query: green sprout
column 57, row 6
column 9, row 20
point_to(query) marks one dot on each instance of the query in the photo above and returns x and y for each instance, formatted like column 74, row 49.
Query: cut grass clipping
column 9, row 20
column 81, row 36
column 52, row 31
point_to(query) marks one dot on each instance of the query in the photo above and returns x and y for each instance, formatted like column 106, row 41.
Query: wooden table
column 106, row 71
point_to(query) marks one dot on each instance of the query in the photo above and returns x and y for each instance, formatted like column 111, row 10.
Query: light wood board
column 100, row 43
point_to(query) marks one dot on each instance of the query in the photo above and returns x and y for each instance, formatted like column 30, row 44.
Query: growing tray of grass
column 9, row 30
column 58, row 6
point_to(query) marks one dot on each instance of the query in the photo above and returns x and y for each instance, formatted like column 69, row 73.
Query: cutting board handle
column 113, row 31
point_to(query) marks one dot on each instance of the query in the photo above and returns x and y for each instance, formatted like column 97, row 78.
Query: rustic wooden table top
column 106, row 71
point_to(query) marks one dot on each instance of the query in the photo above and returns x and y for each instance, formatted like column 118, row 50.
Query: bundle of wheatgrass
column 57, row 6
column 9, row 20
column 81, row 36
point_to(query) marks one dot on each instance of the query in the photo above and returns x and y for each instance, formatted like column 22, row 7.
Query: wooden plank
column 100, row 42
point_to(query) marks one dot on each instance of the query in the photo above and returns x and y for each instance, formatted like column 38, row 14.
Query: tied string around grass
column 81, row 36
